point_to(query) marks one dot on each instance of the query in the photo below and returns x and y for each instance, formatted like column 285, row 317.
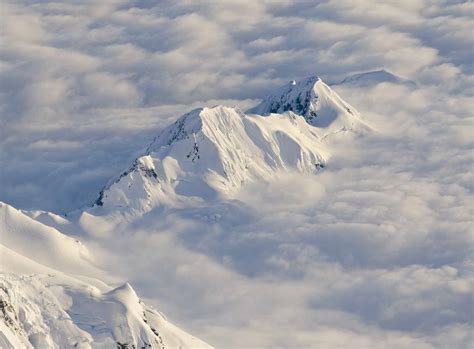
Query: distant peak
column 375, row 77
column 309, row 97
column 297, row 96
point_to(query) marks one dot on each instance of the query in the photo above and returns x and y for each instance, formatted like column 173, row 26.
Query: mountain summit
column 316, row 102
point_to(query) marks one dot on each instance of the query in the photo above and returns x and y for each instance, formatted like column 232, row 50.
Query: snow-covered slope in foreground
column 42, row 306
column 54, row 311
column 210, row 152
column 42, row 243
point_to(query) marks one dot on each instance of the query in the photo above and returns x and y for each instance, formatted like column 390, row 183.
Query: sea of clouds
column 375, row 251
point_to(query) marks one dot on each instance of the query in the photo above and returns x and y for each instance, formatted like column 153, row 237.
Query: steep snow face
column 50, row 297
column 316, row 102
column 210, row 153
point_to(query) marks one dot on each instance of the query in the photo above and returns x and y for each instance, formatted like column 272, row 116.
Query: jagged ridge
column 316, row 102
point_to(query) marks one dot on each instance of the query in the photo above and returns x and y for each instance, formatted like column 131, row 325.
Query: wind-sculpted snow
column 51, row 297
column 54, row 311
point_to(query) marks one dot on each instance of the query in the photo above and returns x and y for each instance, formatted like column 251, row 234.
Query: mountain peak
column 299, row 97
column 312, row 99
column 193, row 122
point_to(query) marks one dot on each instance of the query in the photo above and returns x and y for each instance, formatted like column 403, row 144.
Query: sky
column 377, row 249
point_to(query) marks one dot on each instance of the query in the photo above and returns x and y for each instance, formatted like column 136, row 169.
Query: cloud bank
column 376, row 251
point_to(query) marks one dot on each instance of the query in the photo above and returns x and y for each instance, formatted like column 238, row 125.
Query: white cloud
column 374, row 251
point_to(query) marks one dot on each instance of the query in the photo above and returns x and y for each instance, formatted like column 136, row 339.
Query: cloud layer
column 376, row 251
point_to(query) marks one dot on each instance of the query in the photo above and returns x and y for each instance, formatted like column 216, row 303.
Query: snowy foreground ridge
column 54, row 293
column 51, row 296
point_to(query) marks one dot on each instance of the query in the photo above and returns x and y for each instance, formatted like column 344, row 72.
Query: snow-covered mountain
column 316, row 102
column 51, row 296
column 210, row 152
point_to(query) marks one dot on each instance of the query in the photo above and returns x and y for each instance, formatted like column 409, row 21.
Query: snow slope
column 209, row 153
column 42, row 243
column 50, row 297
column 56, row 311
column 316, row 102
